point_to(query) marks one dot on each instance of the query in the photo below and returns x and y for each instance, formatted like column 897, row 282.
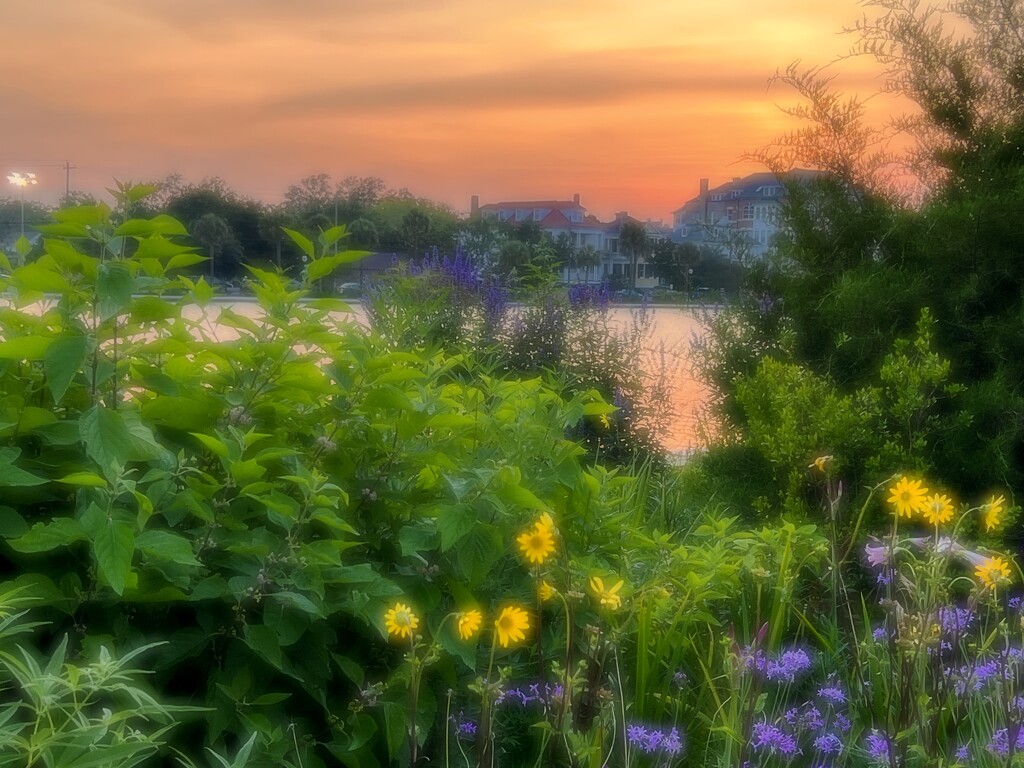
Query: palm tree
column 633, row 242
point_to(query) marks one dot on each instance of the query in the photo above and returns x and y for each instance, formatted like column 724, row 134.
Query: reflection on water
column 664, row 357
column 666, row 363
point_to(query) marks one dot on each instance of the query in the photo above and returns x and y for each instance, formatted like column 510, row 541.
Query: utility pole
column 68, row 167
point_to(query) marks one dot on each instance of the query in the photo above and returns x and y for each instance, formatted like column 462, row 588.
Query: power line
column 68, row 167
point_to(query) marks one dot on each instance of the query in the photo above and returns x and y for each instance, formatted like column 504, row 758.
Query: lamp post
column 22, row 180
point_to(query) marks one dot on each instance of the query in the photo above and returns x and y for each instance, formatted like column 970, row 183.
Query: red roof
column 531, row 204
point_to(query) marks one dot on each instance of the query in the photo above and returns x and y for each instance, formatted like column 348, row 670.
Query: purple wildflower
column 828, row 744
column 832, row 694
column 788, row 666
column 962, row 755
column 842, row 723
column 1000, row 744
column 652, row 741
column 879, row 634
column 769, row 738
column 879, row 747
column 955, row 621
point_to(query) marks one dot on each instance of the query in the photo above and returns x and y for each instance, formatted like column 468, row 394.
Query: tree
column 415, row 229
column 251, row 239
column 587, row 257
column 864, row 259
column 217, row 239
column 675, row 263
column 634, row 243
column 363, row 234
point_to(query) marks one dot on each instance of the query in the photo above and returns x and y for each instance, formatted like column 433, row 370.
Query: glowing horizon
column 628, row 104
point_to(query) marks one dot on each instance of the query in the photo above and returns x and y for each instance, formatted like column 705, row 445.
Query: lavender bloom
column 828, row 744
column 832, row 694
column 533, row 694
column 842, row 723
column 884, row 579
column 1000, row 744
column 962, row 755
column 879, row 635
column 636, row 734
column 495, row 302
column 812, row 719
column 680, row 678
column 582, row 296
column 955, row 621
column 672, row 744
column 464, row 729
column 879, row 747
column 769, row 738
column 652, row 741
column 1014, row 603
column 788, row 666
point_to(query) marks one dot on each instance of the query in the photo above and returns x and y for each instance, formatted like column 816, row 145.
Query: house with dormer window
column 740, row 219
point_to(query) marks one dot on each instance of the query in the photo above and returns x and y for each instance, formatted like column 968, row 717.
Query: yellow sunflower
column 511, row 625
column 909, row 496
column 401, row 621
column 537, row 544
column 469, row 623
column 545, row 591
column 608, row 597
column 992, row 571
column 938, row 509
column 994, row 512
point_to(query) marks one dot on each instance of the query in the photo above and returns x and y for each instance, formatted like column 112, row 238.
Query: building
column 618, row 261
column 594, row 243
column 740, row 219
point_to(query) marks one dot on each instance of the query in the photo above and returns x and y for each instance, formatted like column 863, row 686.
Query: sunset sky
column 628, row 102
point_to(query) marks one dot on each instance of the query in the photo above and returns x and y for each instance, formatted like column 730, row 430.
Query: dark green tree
column 634, row 243
column 218, row 241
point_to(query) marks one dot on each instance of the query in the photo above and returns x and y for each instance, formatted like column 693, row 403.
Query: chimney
column 576, row 198
column 703, row 187
column 735, row 179
column 474, row 205
column 620, row 215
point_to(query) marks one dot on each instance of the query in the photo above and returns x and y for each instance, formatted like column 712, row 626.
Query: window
column 736, row 192
column 730, row 214
column 717, row 197
column 748, row 211
column 771, row 191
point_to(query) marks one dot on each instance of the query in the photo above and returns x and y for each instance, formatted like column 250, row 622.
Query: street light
column 22, row 180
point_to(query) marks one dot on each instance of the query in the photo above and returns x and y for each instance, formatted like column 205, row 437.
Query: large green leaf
column 478, row 551
column 111, row 438
column 165, row 545
column 12, row 476
column 42, row 537
column 454, row 521
column 158, row 225
column 25, row 347
column 300, row 240
column 40, row 276
column 323, row 267
column 114, row 286
column 62, row 360
column 113, row 544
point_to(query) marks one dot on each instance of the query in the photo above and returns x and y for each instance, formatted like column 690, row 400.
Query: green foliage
column 254, row 487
